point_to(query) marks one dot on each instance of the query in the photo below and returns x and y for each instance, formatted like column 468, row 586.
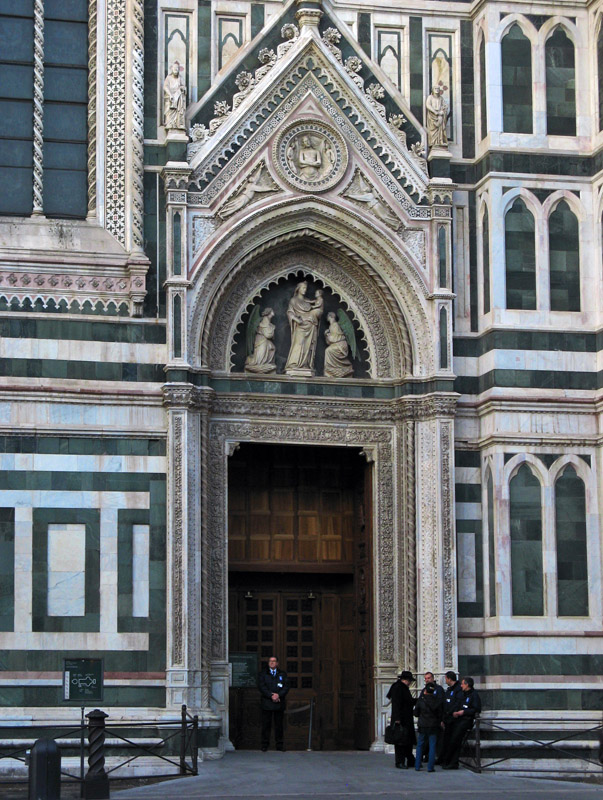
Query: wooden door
column 299, row 582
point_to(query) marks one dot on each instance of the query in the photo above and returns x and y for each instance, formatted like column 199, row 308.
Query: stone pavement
column 338, row 776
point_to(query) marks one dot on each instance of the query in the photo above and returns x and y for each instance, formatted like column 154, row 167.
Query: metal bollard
column 45, row 771
column 96, row 783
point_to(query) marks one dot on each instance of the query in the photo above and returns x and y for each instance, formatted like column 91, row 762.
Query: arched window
column 560, row 66
column 491, row 545
column 516, row 54
column 564, row 259
column 482, row 88
column 486, row 259
column 526, row 544
column 570, row 531
column 520, row 257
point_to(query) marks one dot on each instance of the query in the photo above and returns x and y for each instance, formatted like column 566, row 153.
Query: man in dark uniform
column 402, row 706
column 462, row 722
column 453, row 700
column 273, row 685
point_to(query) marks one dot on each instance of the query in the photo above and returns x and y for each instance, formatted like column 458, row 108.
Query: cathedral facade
column 301, row 312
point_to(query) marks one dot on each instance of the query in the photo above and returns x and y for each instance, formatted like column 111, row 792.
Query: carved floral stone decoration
column 310, row 156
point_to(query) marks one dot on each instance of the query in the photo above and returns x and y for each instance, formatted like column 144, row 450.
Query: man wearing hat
column 402, row 708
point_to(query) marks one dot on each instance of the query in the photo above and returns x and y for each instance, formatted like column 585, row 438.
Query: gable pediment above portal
column 345, row 121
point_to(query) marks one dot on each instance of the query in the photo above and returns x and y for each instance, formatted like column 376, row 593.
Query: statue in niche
column 258, row 182
column 437, row 115
column 174, row 100
column 304, row 317
column 340, row 339
column 260, row 342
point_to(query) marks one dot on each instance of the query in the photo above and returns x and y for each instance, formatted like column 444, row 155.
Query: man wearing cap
column 402, row 707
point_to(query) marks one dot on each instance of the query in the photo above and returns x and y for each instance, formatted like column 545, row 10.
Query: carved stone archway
column 409, row 440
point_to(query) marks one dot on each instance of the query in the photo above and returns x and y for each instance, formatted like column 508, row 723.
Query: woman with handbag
column 401, row 729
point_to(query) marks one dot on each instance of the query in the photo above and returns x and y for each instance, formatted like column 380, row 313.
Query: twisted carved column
column 92, row 52
column 38, row 109
column 137, row 170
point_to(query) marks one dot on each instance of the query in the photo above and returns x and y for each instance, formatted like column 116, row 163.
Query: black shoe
column 399, row 766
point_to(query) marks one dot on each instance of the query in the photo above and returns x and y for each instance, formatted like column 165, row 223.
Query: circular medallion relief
column 310, row 155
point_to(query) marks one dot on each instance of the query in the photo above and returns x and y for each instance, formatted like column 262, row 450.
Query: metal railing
column 177, row 738
column 518, row 737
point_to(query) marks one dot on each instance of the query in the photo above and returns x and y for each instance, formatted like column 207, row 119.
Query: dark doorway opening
column 299, row 587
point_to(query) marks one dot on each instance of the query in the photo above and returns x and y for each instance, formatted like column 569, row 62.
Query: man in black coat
column 273, row 685
column 402, row 706
column 462, row 722
column 453, row 700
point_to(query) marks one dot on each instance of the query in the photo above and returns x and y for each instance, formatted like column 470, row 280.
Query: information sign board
column 243, row 670
column 83, row 680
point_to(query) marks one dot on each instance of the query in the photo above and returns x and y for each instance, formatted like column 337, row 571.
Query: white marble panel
column 66, row 570
column 467, row 578
column 140, row 571
column 66, row 350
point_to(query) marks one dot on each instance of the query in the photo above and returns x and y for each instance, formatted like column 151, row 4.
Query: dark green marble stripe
column 20, row 480
column 7, row 574
column 83, row 446
column 514, row 339
column 150, row 69
column 539, row 164
column 524, row 664
column 36, row 696
column 82, row 330
column 472, row 261
column 467, row 89
column 81, row 370
column 468, row 492
column 416, row 66
column 467, row 458
column 257, row 18
column 364, row 33
column 529, row 379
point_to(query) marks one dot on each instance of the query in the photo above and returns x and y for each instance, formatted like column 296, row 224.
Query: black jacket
column 402, row 705
column 453, row 700
column 471, row 705
column 429, row 709
column 269, row 684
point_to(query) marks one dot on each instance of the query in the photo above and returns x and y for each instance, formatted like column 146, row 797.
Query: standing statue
column 304, row 317
column 174, row 100
column 437, row 115
column 260, row 344
column 337, row 363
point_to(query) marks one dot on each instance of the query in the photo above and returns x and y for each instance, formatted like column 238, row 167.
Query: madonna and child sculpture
column 304, row 316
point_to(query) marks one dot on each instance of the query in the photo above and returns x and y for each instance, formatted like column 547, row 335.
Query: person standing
column 402, row 705
column 273, row 685
column 453, row 699
column 429, row 709
column 463, row 721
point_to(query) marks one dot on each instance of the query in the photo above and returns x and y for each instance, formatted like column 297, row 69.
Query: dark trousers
column 444, row 741
column 457, row 733
column 403, row 753
column 267, row 718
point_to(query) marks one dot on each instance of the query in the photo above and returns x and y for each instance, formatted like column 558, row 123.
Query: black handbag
column 396, row 734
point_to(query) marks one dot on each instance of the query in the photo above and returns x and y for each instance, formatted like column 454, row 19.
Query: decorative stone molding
column 404, row 168
column 187, row 396
column 433, row 406
column 115, row 125
column 136, row 84
column 175, row 175
column 318, row 138
column 252, row 242
column 84, row 287
column 380, row 439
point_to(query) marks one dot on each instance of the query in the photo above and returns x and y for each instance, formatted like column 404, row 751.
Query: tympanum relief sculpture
column 310, row 156
column 286, row 335
column 304, row 316
column 260, row 340
column 259, row 182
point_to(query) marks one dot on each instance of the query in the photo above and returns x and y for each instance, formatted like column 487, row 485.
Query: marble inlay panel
column 140, row 570
column 66, row 570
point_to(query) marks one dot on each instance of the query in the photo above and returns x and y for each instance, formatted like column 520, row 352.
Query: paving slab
column 336, row 776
